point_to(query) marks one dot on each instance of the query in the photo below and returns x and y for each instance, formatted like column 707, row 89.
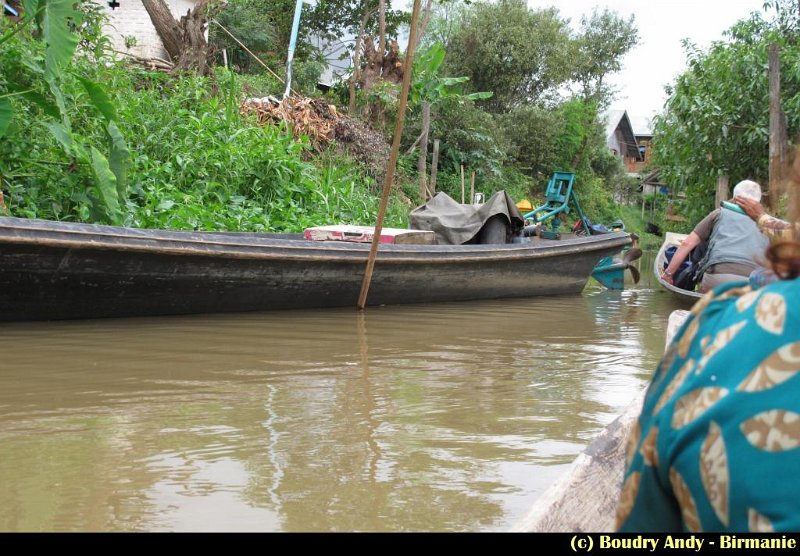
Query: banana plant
column 55, row 21
column 428, row 86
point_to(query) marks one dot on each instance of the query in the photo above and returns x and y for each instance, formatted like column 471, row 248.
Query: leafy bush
column 467, row 136
column 531, row 133
column 194, row 161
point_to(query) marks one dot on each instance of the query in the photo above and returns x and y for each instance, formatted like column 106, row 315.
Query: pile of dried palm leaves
column 322, row 123
column 311, row 117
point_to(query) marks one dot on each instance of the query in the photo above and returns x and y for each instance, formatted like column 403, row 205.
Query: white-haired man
column 735, row 245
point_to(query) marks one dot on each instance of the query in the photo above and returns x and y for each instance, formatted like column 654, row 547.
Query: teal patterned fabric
column 717, row 445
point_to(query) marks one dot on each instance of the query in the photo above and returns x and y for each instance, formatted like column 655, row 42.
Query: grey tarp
column 455, row 223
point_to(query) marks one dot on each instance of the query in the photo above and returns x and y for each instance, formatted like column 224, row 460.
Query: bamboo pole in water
column 389, row 178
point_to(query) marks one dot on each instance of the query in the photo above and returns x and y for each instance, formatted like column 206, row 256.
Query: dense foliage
column 716, row 121
column 516, row 53
column 98, row 140
column 197, row 163
column 528, row 128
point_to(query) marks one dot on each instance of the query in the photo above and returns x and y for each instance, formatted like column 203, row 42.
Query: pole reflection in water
column 441, row 417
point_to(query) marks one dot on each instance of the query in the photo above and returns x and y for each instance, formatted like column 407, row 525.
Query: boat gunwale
column 214, row 244
column 670, row 239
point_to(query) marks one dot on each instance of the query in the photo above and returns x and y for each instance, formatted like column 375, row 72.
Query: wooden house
column 621, row 139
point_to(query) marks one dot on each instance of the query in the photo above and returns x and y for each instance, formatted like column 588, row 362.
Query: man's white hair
column 749, row 189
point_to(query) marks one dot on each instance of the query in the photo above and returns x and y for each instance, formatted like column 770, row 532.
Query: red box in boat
column 364, row 234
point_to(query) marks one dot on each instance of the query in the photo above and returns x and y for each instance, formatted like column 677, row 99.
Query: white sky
column 659, row 58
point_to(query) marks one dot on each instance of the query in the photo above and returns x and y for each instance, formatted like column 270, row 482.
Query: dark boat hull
column 53, row 270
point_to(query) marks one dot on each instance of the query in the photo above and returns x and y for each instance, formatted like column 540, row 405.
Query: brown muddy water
column 450, row 417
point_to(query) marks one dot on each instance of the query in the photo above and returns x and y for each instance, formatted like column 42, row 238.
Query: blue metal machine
column 558, row 196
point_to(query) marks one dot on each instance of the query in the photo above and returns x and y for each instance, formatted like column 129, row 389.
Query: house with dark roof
column 621, row 139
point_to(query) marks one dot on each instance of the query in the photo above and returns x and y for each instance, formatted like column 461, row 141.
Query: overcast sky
column 659, row 58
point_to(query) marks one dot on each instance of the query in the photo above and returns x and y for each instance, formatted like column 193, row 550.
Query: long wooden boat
column 671, row 239
column 59, row 270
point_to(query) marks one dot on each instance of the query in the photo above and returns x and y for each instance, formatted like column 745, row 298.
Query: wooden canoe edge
column 585, row 497
column 671, row 238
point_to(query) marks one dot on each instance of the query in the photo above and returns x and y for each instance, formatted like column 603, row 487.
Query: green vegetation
column 634, row 223
column 716, row 121
column 195, row 162
column 514, row 94
column 528, row 128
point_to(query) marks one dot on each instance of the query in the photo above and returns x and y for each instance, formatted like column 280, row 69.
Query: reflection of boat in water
column 671, row 240
column 62, row 270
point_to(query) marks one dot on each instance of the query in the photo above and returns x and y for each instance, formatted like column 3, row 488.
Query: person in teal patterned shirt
column 717, row 445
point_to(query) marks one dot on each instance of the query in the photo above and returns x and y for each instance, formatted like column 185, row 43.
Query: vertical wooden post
column 225, row 57
column 462, row 184
column 777, row 129
column 434, row 166
column 472, row 188
column 422, row 161
column 392, row 164
column 722, row 191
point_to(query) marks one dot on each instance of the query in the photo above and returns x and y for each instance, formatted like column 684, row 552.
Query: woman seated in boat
column 717, row 444
column 773, row 228
column 734, row 244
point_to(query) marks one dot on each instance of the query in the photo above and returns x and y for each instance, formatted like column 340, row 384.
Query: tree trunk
column 426, row 19
column 184, row 40
column 382, row 26
column 166, row 26
column 356, row 77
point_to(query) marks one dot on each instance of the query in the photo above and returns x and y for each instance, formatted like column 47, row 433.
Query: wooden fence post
column 462, row 184
column 422, row 161
column 722, row 191
column 778, row 141
column 434, row 166
column 472, row 188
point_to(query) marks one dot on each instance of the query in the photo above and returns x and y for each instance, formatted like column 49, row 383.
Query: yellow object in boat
column 525, row 205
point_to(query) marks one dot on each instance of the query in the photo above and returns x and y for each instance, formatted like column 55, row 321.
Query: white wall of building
column 130, row 20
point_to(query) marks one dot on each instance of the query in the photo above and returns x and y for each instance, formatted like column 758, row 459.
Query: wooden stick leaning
column 257, row 59
column 389, row 178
